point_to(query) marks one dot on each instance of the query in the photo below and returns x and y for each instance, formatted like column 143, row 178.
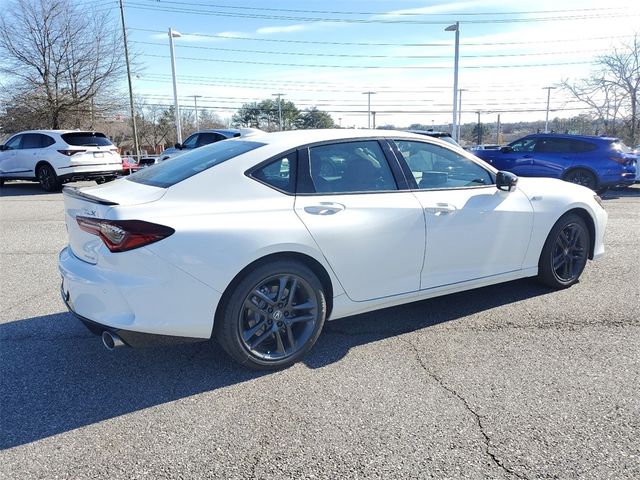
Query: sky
column 327, row 53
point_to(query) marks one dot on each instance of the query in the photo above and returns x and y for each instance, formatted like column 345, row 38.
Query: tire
column 583, row 177
column 48, row 179
column 273, row 316
column 565, row 252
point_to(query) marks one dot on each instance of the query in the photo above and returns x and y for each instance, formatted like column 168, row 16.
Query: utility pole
column 498, row 131
column 136, row 145
column 546, row 121
column 368, row 94
column 479, row 129
column 279, row 109
column 373, row 115
column 195, row 103
column 455, row 28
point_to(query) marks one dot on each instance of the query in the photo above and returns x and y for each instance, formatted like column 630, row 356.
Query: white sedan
column 257, row 241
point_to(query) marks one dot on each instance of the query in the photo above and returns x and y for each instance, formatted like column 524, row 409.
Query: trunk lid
column 96, row 202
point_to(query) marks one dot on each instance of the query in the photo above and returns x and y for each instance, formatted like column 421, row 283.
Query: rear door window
column 86, row 139
column 553, row 145
column 580, row 146
column 350, row 167
column 31, row 140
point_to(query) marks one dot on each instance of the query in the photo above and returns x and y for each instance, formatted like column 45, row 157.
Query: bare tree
column 612, row 91
column 63, row 63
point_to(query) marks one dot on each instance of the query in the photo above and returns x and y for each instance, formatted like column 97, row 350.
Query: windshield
column 177, row 169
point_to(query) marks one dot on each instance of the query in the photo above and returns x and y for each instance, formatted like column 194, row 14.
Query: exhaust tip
column 111, row 341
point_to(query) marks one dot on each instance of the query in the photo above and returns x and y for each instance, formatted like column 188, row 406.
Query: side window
column 578, row 146
column 525, row 145
column 553, row 145
column 209, row 137
column 14, row 143
column 191, row 141
column 278, row 174
column 350, row 167
column 436, row 167
column 46, row 140
column 31, row 140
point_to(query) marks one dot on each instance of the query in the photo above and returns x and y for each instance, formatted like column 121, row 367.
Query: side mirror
column 506, row 181
column 178, row 146
column 506, row 149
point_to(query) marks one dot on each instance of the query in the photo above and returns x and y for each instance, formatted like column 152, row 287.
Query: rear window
column 86, row 139
column 177, row 169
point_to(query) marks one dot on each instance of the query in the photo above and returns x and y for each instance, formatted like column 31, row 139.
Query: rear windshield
column 620, row 147
column 87, row 139
column 186, row 165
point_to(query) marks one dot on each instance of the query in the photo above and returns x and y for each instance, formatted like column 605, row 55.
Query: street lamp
column 173, row 34
column 455, row 28
column 195, row 103
column 546, row 121
column 368, row 94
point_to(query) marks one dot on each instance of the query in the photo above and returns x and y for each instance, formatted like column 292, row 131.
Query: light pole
column 546, row 121
column 195, row 103
column 279, row 109
column 368, row 94
column 136, row 145
column 455, row 28
column 460, row 90
column 173, row 34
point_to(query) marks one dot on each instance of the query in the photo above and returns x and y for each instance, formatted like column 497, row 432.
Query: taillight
column 619, row 158
column 69, row 153
column 123, row 235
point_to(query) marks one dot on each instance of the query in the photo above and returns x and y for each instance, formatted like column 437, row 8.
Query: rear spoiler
column 77, row 193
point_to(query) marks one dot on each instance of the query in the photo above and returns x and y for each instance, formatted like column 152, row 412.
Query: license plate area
column 98, row 154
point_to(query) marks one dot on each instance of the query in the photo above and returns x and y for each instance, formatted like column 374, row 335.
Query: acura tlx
column 257, row 241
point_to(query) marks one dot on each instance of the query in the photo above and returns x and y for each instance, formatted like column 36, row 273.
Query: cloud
column 441, row 8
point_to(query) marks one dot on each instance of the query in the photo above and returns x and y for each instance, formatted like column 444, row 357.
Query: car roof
column 295, row 138
column 59, row 132
column 574, row 137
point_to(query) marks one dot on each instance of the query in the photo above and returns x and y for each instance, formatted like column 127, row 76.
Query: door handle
column 526, row 156
column 324, row 208
column 441, row 209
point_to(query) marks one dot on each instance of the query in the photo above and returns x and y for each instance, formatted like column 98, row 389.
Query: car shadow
column 616, row 193
column 22, row 189
column 55, row 376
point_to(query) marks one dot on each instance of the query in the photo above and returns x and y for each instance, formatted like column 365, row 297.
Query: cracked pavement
column 505, row 382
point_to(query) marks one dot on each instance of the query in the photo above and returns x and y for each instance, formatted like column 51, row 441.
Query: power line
column 339, row 55
column 381, row 44
column 373, row 20
column 382, row 67
column 401, row 13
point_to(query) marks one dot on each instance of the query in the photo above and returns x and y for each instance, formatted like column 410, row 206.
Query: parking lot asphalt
column 509, row 381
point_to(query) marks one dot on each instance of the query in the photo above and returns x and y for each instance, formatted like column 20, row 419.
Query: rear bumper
column 136, row 292
column 74, row 176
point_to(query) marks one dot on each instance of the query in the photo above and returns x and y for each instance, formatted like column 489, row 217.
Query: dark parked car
column 444, row 136
column 595, row 162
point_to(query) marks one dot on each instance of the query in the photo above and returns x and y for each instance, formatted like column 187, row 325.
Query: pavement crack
column 477, row 417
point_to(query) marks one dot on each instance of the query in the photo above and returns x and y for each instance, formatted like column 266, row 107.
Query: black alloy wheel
column 48, row 178
column 582, row 177
column 274, row 316
column 565, row 252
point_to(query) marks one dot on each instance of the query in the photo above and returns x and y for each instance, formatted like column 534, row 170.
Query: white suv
column 53, row 157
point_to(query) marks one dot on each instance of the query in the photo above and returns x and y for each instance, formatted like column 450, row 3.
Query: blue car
column 595, row 162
